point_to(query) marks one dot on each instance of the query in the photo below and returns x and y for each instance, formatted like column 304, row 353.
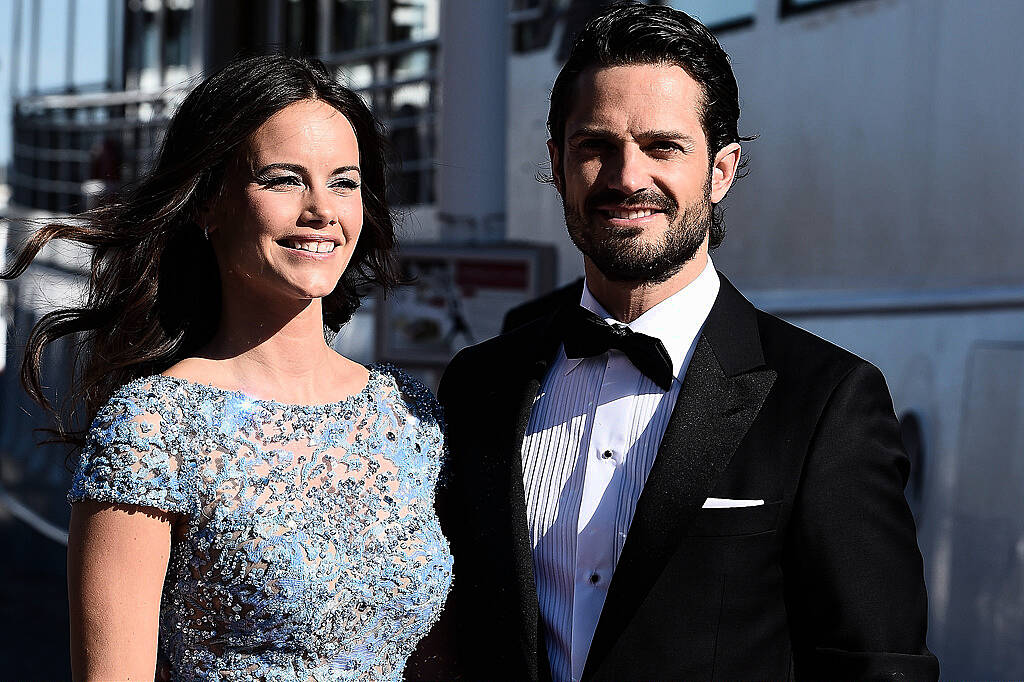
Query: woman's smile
column 291, row 217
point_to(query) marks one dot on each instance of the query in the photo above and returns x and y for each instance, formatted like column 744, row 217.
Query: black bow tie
column 586, row 335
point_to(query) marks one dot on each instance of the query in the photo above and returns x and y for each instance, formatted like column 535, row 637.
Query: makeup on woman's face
column 291, row 215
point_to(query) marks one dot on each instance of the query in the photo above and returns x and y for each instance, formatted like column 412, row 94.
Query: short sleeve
column 427, row 410
column 132, row 452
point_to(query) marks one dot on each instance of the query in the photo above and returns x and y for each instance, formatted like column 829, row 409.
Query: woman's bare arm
column 117, row 560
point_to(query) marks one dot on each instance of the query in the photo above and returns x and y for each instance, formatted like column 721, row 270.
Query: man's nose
column 628, row 171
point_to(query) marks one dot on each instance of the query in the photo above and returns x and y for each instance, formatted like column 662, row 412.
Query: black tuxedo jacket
column 823, row 581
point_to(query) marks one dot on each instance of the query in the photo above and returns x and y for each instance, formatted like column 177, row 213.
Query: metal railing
column 70, row 150
column 399, row 82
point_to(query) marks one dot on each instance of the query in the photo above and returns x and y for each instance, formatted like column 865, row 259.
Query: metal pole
column 69, row 47
column 471, row 168
column 33, row 50
column 16, row 51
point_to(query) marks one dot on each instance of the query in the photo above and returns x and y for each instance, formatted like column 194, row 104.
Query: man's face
column 634, row 172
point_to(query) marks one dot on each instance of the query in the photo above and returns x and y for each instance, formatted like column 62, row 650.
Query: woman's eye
column 345, row 183
column 281, row 181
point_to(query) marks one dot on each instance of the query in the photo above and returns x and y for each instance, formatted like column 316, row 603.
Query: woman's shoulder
column 136, row 449
column 414, row 393
column 156, row 396
column 151, row 414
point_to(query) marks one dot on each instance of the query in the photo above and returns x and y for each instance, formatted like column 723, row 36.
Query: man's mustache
column 645, row 197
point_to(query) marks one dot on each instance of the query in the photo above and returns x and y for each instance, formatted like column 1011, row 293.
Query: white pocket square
column 726, row 503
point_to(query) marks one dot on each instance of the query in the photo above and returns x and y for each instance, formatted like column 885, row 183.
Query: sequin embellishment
column 308, row 548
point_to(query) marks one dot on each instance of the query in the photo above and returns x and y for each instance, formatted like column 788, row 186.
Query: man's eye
column 664, row 147
column 593, row 145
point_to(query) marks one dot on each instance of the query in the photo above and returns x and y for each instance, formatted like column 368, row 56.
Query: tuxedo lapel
column 537, row 343
column 723, row 390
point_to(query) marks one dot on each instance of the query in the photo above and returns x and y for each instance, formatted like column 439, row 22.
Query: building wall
column 881, row 211
column 887, row 155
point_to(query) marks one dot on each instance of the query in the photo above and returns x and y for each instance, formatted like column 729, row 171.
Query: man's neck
column 627, row 301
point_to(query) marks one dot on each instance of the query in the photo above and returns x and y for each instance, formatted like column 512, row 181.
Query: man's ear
column 723, row 171
column 556, row 166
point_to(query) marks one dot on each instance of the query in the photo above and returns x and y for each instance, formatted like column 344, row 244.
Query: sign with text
column 458, row 297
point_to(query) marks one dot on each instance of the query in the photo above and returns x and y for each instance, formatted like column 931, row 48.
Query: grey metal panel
column 985, row 535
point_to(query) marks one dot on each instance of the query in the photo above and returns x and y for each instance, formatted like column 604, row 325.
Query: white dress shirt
column 592, row 437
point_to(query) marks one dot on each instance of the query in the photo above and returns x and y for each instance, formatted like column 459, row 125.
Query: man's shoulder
column 804, row 356
column 543, row 305
column 494, row 358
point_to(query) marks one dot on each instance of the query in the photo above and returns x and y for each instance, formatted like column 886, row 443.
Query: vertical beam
column 471, row 167
column 138, row 45
column 69, row 47
column 275, row 20
column 115, row 44
column 323, row 27
column 161, row 42
column 16, row 51
column 199, row 22
column 33, row 48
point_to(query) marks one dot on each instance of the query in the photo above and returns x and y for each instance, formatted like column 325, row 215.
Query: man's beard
column 622, row 255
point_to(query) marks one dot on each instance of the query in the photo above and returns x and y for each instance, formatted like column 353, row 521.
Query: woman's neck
column 277, row 350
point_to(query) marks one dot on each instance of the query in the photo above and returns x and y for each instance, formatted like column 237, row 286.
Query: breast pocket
column 734, row 520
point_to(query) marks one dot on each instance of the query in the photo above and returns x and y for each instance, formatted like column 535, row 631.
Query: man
column 657, row 481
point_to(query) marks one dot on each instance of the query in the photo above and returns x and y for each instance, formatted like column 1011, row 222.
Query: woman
column 247, row 502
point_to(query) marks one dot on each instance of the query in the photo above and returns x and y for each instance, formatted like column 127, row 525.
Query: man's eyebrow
column 587, row 131
column 666, row 135
column 602, row 133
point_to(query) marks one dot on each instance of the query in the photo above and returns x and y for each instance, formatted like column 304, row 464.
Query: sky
column 90, row 50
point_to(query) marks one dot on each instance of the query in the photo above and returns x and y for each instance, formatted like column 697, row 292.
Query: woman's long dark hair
column 154, row 288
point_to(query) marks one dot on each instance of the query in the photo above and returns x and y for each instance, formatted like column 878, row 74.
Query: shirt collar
column 676, row 321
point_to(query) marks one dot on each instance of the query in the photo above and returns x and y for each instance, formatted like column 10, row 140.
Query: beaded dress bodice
column 306, row 544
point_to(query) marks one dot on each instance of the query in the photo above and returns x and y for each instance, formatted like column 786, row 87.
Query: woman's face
column 290, row 213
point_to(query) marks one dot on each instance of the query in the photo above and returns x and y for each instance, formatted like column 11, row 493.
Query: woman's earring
column 206, row 232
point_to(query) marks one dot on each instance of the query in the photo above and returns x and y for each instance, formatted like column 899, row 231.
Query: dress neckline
column 372, row 381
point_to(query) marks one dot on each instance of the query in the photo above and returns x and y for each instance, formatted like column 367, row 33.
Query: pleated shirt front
column 592, row 437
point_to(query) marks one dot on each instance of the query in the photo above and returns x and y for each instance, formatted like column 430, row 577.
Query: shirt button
column 595, row 578
column 607, row 454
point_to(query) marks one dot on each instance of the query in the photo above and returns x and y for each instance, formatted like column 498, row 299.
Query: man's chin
column 644, row 278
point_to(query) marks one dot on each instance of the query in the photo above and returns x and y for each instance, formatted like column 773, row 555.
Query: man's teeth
column 312, row 247
column 630, row 215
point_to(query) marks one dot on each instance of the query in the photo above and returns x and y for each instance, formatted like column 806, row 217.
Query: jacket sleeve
column 854, row 574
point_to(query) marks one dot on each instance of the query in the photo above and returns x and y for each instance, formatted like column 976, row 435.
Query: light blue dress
column 306, row 544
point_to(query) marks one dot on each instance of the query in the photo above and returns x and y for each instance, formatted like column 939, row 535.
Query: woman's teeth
column 630, row 215
column 312, row 247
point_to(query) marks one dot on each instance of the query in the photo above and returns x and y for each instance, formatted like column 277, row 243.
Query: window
column 387, row 51
column 353, row 24
column 789, row 7
column 719, row 15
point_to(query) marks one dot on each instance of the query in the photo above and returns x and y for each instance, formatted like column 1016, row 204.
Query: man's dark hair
column 633, row 33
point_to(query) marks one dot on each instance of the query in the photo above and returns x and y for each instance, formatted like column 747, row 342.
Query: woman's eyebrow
column 296, row 168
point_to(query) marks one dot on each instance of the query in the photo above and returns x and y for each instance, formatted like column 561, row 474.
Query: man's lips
column 628, row 214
